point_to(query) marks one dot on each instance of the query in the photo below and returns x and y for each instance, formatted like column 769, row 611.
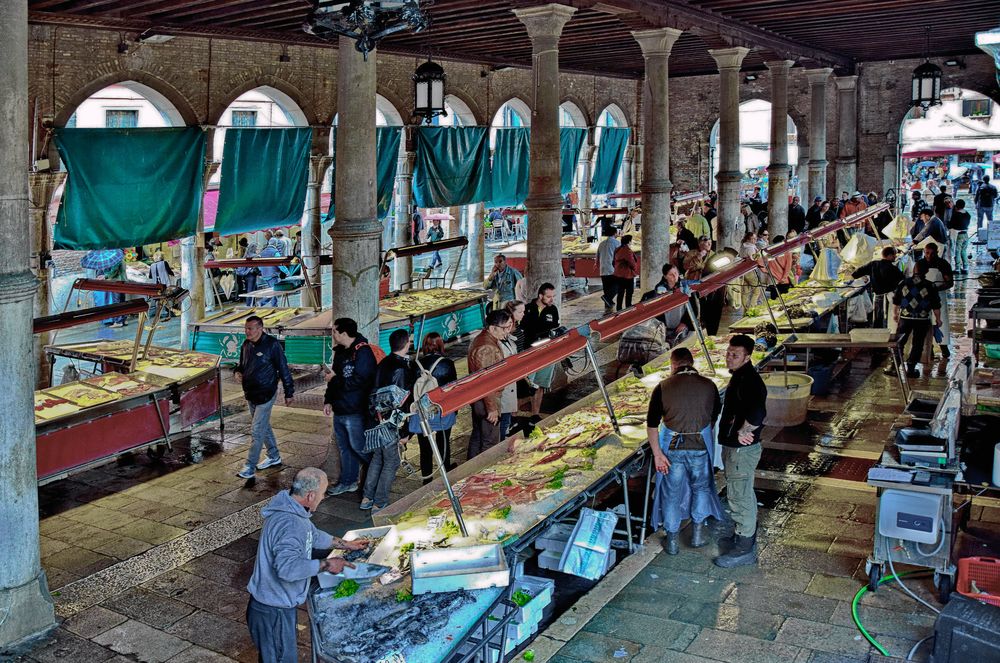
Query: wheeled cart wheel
column 157, row 452
column 945, row 584
column 874, row 575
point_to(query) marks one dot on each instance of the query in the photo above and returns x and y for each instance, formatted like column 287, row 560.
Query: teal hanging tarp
column 570, row 144
column 452, row 166
column 264, row 177
column 610, row 154
column 387, row 141
column 386, row 161
column 511, row 154
column 128, row 187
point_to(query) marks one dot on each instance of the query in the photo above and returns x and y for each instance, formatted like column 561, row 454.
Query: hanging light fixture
column 428, row 91
column 926, row 90
column 367, row 22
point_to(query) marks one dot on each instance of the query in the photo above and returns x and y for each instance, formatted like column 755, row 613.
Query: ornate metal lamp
column 367, row 22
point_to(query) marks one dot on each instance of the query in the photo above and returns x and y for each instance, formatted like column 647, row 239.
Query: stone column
column 544, row 203
column 453, row 227
column 312, row 224
column 803, row 173
column 193, row 260
column 817, row 131
column 26, row 609
column 404, row 196
column 357, row 231
column 42, row 186
column 637, row 166
column 656, row 184
column 731, row 227
column 779, row 170
column 628, row 164
column 584, row 170
column 847, row 144
column 477, row 244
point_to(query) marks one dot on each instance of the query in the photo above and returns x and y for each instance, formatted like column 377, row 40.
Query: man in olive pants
column 743, row 412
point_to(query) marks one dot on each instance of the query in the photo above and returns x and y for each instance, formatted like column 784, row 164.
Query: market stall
column 579, row 255
column 136, row 395
column 298, row 284
column 451, row 313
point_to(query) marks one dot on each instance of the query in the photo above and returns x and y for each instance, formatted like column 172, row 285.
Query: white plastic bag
column 586, row 552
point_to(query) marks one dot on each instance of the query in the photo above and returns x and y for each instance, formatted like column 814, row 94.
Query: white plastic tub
column 787, row 398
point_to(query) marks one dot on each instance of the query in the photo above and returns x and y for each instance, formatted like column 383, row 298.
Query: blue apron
column 664, row 501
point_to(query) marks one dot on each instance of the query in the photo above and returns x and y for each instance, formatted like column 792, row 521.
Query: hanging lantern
column 926, row 86
column 428, row 91
column 926, row 91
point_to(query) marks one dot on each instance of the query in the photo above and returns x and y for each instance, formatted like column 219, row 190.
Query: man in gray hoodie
column 285, row 566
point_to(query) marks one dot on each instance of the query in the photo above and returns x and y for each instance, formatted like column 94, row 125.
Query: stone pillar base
column 26, row 612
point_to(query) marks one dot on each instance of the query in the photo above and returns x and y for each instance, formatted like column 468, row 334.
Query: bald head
column 308, row 479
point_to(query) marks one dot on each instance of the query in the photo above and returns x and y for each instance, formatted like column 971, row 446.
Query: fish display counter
column 91, row 421
column 579, row 256
column 508, row 496
column 450, row 312
column 805, row 303
column 222, row 333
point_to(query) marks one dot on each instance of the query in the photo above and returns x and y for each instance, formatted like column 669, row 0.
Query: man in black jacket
column 797, row 216
column 262, row 363
column 814, row 215
column 347, row 391
column 883, row 277
column 958, row 231
column 743, row 410
column 398, row 371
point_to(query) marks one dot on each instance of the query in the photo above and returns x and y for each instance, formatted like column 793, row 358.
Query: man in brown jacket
column 484, row 351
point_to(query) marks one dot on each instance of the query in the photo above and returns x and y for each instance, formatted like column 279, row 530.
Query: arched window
column 955, row 141
column 124, row 105
column 611, row 117
column 755, row 148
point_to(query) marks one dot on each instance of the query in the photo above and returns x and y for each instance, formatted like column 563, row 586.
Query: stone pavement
column 148, row 560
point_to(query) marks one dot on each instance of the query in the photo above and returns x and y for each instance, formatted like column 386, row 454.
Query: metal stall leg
column 645, row 503
column 623, row 479
column 600, row 384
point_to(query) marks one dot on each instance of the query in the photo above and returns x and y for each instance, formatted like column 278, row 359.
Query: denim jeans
column 269, row 301
column 506, row 419
column 381, row 474
column 689, row 471
column 273, row 632
column 741, row 466
column 261, row 432
column 960, row 252
column 349, row 429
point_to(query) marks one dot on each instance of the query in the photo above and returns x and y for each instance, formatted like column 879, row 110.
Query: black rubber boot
column 670, row 543
column 698, row 538
column 744, row 552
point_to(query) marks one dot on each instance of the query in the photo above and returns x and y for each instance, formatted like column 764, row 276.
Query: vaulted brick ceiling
column 597, row 39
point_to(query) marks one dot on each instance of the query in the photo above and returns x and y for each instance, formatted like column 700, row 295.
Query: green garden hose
column 854, row 609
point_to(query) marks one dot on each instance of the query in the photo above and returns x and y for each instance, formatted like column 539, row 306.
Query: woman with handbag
column 435, row 370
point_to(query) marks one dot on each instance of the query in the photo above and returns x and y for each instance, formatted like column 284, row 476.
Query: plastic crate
column 985, row 571
column 992, row 350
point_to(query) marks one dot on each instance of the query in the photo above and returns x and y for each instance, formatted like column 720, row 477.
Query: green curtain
column 264, row 178
column 452, row 166
column 128, row 187
column 386, row 160
column 610, row 153
column 570, row 144
column 511, row 154
column 386, row 163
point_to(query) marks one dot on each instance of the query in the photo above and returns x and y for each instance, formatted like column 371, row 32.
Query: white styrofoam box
column 450, row 569
column 555, row 537
column 540, row 590
column 549, row 560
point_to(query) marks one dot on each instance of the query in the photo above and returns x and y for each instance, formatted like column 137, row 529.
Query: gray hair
column 306, row 480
